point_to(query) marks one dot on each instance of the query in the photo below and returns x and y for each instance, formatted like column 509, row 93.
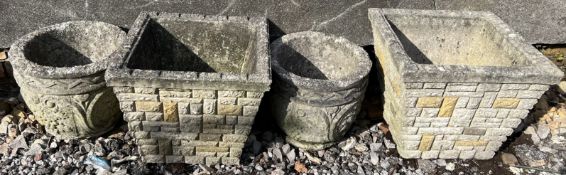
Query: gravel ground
column 25, row 148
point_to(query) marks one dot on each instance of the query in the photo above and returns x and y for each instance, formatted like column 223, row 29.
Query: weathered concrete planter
column 190, row 85
column 456, row 83
column 318, row 88
column 60, row 70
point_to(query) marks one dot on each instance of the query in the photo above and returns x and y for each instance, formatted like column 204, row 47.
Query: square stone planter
column 190, row 85
column 456, row 83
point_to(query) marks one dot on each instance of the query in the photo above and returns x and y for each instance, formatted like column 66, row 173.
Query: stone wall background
column 540, row 21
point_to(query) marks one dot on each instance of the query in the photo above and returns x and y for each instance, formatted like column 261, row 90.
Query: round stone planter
column 319, row 84
column 60, row 71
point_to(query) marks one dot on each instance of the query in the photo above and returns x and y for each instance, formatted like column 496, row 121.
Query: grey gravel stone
column 374, row 158
column 427, row 166
column 286, row 148
column 529, row 154
column 291, row 155
column 278, row 172
column 441, row 162
column 36, row 147
column 389, row 144
column 277, row 154
column 375, row 146
column 361, row 147
column 450, row 166
column 543, row 131
column 259, row 168
column 509, row 159
column 385, row 164
column 347, row 144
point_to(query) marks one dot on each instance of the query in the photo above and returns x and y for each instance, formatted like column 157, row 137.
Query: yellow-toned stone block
column 148, row 106
column 448, row 105
column 170, row 112
column 470, row 143
column 561, row 115
column 212, row 149
column 510, row 103
column 3, row 55
column 426, row 142
column 429, row 102
column 229, row 110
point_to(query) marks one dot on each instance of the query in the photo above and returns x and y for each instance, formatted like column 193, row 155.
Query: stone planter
column 60, row 70
column 190, row 85
column 456, row 83
column 318, row 87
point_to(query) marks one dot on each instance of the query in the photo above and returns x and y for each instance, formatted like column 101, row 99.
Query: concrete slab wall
column 539, row 21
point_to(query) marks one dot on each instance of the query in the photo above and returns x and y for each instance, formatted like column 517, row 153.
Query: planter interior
column 303, row 57
column 73, row 44
column 452, row 41
column 198, row 46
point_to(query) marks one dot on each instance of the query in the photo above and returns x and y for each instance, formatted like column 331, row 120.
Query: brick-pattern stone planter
column 190, row 85
column 60, row 70
column 318, row 88
column 456, row 83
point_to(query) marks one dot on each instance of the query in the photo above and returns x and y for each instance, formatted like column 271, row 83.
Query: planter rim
column 353, row 78
column 28, row 67
column 118, row 74
column 538, row 69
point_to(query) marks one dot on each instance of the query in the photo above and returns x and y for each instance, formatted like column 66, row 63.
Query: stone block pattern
column 456, row 120
column 189, row 126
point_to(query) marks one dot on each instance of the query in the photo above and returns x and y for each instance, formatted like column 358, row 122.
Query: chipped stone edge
column 539, row 69
column 259, row 80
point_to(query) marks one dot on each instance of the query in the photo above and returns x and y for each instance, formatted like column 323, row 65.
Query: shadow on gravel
column 550, row 99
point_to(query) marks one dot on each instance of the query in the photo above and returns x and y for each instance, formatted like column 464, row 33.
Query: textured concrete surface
column 538, row 21
column 438, row 108
column 60, row 70
column 197, row 112
column 318, row 88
